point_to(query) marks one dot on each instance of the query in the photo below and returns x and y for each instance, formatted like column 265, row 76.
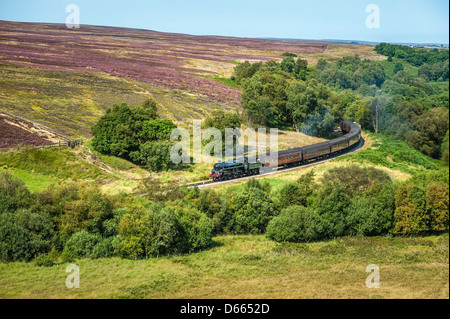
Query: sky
column 416, row 21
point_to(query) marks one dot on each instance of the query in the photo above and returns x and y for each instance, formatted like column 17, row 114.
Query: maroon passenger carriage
column 306, row 154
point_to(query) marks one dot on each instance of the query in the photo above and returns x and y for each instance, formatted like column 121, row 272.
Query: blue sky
column 400, row 20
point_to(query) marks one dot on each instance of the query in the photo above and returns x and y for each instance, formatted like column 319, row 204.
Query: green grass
column 113, row 161
column 39, row 168
column 252, row 267
column 55, row 162
column 389, row 67
column 34, row 182
column 228, row 82
column 394, row 154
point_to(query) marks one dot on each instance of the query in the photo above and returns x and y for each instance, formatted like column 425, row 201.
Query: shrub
column 294, row 224
column 366, row 217
column 290, row 194
column 134, row 133
column 40, row 228
column 198, row 230
column 253, row 211
column 14, row 241
column 43, row 260
column 437, row 202
column 168, row 229
column 331, row 202
column 104, row 248
column 255, row 183
column 137, row 231
column 356, row 179
column 13, row 193
column 210, row 202
column 410, row 215
column 82, row 244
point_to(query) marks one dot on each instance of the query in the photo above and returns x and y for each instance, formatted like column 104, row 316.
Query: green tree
column 14, row 240
column 290, row 194
column 154, row 155
column 356, row 179
column 437, row 197
column 306, row 101
column 366, row 217
column 307, row 185
column 40, row 228
column 294, row 224
column 138, row 233
column 131, row 133
column 168, row 229
column 81, row 244
column 444, row 149
column 245, row 70
column 151, row 107
column 253, row 211
column 13, row 193
column 301, row 69
column 331, row 202
column 410, row 215
column 288, row 64
column 398, row 67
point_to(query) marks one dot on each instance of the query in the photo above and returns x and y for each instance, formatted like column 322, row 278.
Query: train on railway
column 292, row 157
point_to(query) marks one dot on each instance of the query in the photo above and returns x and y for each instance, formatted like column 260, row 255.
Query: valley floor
column 252, row 267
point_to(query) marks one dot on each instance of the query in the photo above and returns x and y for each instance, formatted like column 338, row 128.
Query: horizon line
column 289, row 39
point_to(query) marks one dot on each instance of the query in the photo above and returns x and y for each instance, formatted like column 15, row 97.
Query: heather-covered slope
column 66, row 78
column 175, row 61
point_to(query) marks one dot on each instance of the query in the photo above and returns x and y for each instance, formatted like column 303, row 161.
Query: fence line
column 69, row 144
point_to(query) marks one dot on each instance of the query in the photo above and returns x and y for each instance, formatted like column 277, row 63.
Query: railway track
column 208, row 183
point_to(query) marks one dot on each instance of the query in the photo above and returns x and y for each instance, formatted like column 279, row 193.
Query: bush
column 331, row 202
column 82, row 244
column 43, row 260
column 135, row 134
column 410, row 215
column 6, row 203
column 356, row 179
column 104, row 248
column 294, row 224
column 210, row 202
column 437, row 202
column 253, row 211
column 13, row 193
column 366, row 217
column 40, row 228
column 290, row 194
column 14, row 241
column 168, row 229
column 197, row 229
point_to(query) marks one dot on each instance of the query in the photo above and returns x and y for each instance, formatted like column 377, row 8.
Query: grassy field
column 393, row 154
column 39, row 168
column 252, row 267
column 389, row 67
